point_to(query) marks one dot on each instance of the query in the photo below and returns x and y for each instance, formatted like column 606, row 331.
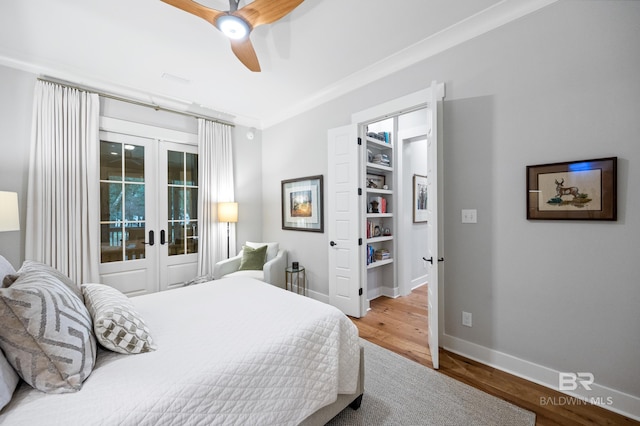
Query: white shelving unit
column 379, row 226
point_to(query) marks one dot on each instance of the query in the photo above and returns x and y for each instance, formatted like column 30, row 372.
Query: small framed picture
column 573, row 190
column 420, row 198
column 375, row 181
column 302, row 204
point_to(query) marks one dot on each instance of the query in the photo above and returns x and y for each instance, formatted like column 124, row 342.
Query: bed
column 229, row 351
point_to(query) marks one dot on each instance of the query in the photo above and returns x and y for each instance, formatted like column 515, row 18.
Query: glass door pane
column 182, row 205
column 122, row 202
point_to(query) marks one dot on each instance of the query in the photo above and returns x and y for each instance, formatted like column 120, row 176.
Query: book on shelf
column 381, row 254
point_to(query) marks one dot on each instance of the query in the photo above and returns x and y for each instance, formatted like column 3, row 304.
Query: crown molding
column 482, row 22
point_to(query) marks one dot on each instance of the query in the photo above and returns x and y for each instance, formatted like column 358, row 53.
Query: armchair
column 272, row 272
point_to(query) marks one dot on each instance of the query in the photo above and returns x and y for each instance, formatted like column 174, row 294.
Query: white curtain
column 215, row 171
column 63, row 200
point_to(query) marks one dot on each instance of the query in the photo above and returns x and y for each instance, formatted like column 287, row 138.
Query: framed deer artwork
column 573, row 190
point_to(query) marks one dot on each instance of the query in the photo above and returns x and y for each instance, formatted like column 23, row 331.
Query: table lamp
column 9, row 217
column 228, row 212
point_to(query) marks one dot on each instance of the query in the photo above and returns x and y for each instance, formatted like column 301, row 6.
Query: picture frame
column 375, row 181
column 420, row 198
column 302, row 204
column 573, row 190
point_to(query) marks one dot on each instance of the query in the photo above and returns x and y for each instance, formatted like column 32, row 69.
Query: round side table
column 298, row 278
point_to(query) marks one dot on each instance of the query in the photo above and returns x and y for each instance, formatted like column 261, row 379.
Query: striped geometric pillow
column 117, row 325
column 46, row 333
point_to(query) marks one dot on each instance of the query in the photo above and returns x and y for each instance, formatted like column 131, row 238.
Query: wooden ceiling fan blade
column 262, row 12
column 190, row 6
column 243, row 49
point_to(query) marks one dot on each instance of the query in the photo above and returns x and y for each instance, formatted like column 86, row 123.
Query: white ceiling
column 319, row 51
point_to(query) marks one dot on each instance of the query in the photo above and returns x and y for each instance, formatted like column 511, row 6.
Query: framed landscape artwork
column 574, row 190
column 419, row 198
column 302, row 204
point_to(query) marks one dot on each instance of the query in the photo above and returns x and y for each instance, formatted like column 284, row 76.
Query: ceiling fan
column 237, row 24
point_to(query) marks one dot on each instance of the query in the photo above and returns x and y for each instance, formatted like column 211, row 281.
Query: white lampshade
column 9, row 217
column 228, row 212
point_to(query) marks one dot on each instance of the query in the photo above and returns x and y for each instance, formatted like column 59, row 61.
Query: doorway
column 148, row 213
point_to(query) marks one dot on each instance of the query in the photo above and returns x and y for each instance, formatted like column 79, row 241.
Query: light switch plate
column 469, row 216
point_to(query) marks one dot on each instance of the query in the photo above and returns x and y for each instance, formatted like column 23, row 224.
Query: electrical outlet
column 467, row 319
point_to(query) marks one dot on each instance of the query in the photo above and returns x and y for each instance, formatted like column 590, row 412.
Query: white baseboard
column 318, row 296
column 610, row 399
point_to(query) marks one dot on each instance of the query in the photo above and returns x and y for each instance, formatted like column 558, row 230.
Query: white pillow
column 272, row 249
column 6, row 268
column 9, row 381
column 116, row 323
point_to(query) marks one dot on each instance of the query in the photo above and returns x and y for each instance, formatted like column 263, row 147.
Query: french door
column 148, row 213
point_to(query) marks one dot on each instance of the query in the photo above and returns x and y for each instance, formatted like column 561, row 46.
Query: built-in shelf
column 379, row 167
column 379, row 239
column 379, row 263
column 379, row 191
column 378, row 143
column 374, row 215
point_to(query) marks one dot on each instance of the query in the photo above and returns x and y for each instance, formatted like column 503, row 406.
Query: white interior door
column 345, row 287
column 433, row 227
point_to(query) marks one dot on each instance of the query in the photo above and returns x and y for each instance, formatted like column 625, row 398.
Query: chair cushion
column 259, row 275
column 253, row 259
column 272, row 249
column 46, row 333
column 118, row 326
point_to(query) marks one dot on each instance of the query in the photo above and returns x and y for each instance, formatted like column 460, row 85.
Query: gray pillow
column 116, row 323
column 33, row 266
column 46, row 333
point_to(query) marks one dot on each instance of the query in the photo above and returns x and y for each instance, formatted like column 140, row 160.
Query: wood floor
column 400, row 325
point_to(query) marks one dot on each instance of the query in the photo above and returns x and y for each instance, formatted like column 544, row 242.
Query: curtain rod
column 133, row 101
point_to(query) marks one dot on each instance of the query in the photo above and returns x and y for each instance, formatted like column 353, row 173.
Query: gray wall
column 16, row 102
column 560, row 84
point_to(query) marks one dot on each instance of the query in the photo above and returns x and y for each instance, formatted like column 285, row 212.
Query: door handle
column 430, row 260
column 152, row 239
column 333, row 243
column 162, row 238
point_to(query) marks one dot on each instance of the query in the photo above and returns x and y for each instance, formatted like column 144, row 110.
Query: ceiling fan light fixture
column 233, row 26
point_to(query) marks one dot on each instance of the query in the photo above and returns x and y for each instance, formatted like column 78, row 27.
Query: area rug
column 399, row 391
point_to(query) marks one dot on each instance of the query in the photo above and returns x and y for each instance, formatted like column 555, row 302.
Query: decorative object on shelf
column 295, row 265
column 228, row 212
column 386, row 232
column 9, row 217
column 420, row 198
column 381, row 254
column 376, row 231
column 573, row 190
column 302, row 204
column 375, row 181
column 378, row 204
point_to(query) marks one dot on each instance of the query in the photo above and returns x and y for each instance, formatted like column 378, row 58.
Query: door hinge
column 359, row 241
column 360, row 291
column 359, row 191
column 359, row 141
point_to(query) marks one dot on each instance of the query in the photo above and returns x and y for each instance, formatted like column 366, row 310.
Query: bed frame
column 352, row 400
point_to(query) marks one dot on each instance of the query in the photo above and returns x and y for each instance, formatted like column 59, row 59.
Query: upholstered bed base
column 353, row 400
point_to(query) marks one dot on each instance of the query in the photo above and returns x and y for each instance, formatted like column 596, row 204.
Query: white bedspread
column 232, row 351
